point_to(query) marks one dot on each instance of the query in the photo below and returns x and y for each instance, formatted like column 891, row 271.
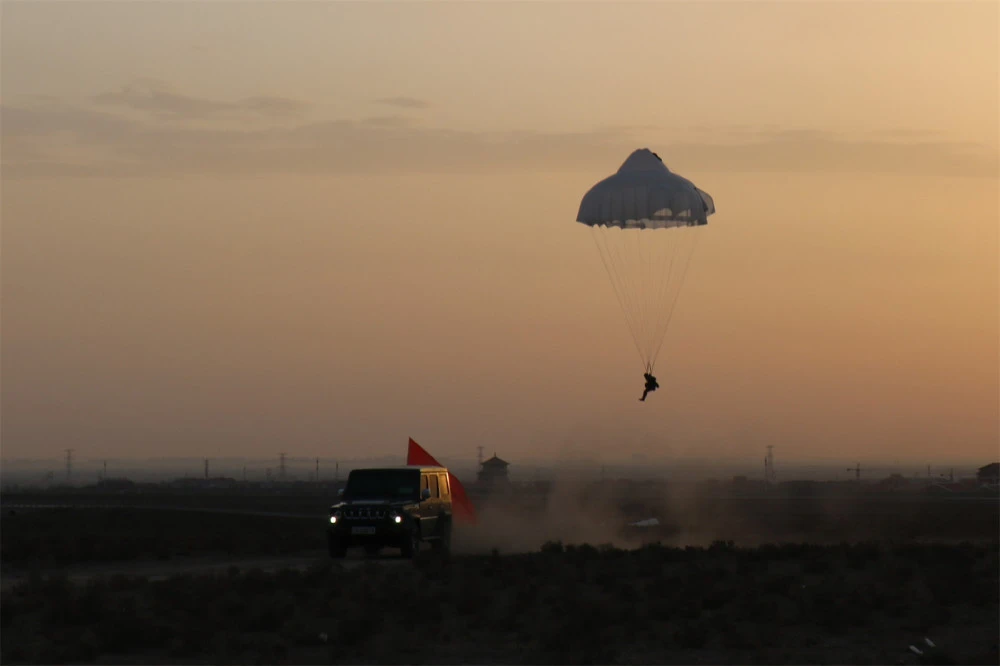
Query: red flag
column 462, row 507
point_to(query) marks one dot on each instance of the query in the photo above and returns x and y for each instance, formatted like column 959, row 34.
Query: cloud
column 387, row 121
column 119, row 145
column 47, row 118
column 158, row 98
column 814, row 150
column 403, row 102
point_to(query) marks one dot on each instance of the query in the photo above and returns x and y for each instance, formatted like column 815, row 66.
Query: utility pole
column 857, row 472
column 206, row 469
column 69, row 464
column 281, row 466
column 317, row 470
column 769, row 474
column 479, row 458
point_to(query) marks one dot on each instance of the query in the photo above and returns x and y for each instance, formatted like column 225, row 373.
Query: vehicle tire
column 411, row 544
column 337, row 549
column 443, row 543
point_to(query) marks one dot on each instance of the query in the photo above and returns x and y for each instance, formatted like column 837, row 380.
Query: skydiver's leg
column 644, row 392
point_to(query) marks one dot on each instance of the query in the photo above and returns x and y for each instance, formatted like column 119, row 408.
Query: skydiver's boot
column 643, row 398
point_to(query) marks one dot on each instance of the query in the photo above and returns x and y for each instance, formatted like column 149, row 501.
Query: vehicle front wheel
column 411, row 544
column 337, row 549
column 443, row 544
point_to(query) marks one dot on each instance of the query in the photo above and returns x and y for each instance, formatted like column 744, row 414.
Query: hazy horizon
column 233, row 229
column 52, row 472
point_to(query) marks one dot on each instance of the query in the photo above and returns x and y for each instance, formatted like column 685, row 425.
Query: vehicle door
column 430, row 507
column 444, row 508
column 423, row 509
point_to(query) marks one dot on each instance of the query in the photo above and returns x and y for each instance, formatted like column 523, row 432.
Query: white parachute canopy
column 644, row 220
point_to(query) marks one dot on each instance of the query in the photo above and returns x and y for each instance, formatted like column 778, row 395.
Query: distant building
column 989, row 474
column 894, row 482
column 493, row 471
column 203, row 484
column 115, row 485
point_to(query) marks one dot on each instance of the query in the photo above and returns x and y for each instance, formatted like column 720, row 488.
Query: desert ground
column 795, row 575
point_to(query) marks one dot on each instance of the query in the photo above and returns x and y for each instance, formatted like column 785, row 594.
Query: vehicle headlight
column 334, row 517
column 397, row 519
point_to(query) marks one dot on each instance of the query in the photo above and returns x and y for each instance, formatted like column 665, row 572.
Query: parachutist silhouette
column 651, row 385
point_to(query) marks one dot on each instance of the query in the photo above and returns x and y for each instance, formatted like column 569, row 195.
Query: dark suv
column 392, row 507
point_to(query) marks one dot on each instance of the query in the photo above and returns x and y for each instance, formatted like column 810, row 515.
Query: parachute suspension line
column 628, row 284
column 621, row 283
column 663, row 285
column 615, row 241
column 643, row 292
column 677, row 294
column 630, row 261
column 654, row 267
column 647, row 281
column 624, row 260
column 648, row 288
column 614, row 286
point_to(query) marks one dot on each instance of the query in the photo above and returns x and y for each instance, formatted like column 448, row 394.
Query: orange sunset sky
column 236, row 228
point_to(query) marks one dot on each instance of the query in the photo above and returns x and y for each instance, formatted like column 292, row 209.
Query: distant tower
column 206, row 468
column 69, row 464
column 105, row 475
column 317, row 470
column 769, row 473
column 479, row 458
column 493, row 470
column 281, row 466
column 857, row 471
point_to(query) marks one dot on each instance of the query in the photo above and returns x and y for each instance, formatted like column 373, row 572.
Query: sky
column 238, row 228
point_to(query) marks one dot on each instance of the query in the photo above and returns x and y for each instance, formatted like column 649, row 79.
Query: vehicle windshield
column 393, row 484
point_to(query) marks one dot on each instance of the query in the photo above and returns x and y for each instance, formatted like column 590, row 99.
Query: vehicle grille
column 365, row 513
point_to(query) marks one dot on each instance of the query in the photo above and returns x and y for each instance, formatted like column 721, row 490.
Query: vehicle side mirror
column 425, row 494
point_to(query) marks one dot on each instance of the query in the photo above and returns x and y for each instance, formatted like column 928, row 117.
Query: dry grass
column 860, row 603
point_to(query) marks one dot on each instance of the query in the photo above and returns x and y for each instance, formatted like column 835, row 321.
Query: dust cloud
column 577, row 510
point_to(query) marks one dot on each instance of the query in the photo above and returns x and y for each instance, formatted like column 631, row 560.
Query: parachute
column 644, row 220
